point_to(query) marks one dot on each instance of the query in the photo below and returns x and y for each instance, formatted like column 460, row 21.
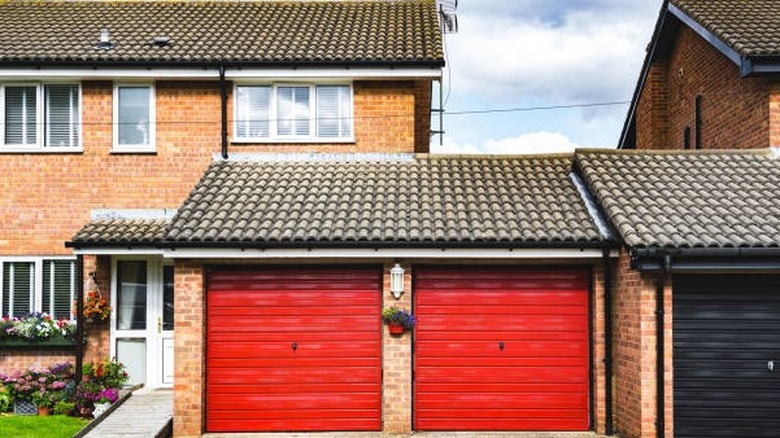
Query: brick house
column 696, row 308
column 710, row 80
column 267, row 279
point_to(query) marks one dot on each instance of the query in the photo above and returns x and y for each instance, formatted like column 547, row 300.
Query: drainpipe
column 79, row 316
column 607, row 272
column 224, row 95
column 660, row 347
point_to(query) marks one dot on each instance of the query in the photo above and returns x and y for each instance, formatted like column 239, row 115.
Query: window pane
column 253, row 111
column 133, row 117
column 168, row 298
column 18, row 287
column 20, row 115
column 62, row 113
column 132, row 353
column 58, row 288
column 292, row 111
column 131, row 295
column 334, row 111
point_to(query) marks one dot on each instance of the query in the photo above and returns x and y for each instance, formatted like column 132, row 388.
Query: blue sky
column 532, row 53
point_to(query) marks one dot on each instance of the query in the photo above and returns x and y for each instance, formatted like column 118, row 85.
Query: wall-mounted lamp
column 397, row 281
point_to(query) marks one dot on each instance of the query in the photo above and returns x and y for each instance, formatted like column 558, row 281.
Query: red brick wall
column 599, row 351
column 635, row 353
column 48, row 197
column 397, row 361
column 735, row 110
column 774, row 116
column 652, row 116
column 189, row 348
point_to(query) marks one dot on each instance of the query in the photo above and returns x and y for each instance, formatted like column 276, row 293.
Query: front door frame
column 154, row 336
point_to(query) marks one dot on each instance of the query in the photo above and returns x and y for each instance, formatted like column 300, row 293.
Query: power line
column 537, row 108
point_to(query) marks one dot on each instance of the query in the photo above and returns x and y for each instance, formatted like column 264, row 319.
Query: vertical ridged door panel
column 294, row 349
column 501, row 349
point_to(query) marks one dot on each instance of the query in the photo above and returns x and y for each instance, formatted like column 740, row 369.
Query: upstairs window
column 22, row 292
column 40, row 117
column 134, row 118
column 268, row 113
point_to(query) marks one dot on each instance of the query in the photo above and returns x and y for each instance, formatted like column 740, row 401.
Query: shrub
column 63, row 407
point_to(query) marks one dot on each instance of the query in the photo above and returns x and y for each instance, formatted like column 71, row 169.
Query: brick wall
column 735, row 110
column 774, row 116
column 189, row 348
column 48, row 197
column 599, row 351
column 397, row 361
column 635, row 353
column 652, row 115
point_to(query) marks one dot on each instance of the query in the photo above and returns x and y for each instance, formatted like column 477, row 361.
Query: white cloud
column 540, row 142
column 569, row 52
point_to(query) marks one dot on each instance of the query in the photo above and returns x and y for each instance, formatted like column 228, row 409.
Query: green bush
column 64, row 408
column 6, row 399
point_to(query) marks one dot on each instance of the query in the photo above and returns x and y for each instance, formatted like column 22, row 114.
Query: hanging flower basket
column 396, row 329
column 398, row 320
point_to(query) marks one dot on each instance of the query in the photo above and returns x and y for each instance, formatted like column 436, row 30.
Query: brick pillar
column 599, row 353
column 774, row 116
column 397, row 362
column 98, row 333
column 189, row 349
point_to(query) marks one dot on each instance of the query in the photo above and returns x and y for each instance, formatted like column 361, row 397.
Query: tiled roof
column 100, row 232
column 354, row 31
column 687, row 199
column 751, row 27
column 424, row 200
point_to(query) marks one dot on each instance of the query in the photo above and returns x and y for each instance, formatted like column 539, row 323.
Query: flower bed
column 36, row 329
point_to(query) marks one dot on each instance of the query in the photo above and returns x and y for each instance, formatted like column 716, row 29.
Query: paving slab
column 144, row 415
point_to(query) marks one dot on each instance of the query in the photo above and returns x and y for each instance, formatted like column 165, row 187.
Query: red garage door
column 294, row 350
column 501, row 349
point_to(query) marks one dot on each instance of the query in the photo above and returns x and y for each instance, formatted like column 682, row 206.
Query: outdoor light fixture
column 397, row 281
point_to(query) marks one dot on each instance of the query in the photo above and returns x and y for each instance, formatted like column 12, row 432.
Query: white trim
column 119, row 251
column 134, row 148
column 305, row 73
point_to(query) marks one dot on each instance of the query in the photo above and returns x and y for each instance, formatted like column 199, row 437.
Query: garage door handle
column 771, row 365
column 501, row 346
column 294, row 346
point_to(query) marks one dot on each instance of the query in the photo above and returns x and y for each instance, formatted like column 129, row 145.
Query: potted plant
column 397, row 320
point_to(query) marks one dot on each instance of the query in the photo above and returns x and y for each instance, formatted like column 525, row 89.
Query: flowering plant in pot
column 96, row 307
column 398, row 320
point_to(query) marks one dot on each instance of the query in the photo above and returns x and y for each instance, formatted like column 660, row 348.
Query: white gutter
column 204, row 73
column 352, row 253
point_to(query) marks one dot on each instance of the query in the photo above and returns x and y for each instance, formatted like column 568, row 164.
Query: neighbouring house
column 710, row 80
column 116, row 109
column 696, row 294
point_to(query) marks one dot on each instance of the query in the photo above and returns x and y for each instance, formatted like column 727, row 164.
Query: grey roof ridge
column 262, row 157
column 768, row 152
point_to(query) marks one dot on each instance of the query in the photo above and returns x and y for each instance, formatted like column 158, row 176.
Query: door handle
column 159, row 325
column 294, row 346
column 501, row 346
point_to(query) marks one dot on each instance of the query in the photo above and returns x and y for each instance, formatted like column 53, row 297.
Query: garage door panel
column 497, row 322
column 272, row 350
column 514, row 360
column 460, row 349
column 505, row 335
column 477, row 424
column 248, row 424
column 726, row 330
column 281, row 356
column 456, row 298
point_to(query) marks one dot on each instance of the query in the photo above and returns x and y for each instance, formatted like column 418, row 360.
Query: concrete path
column 144, row 415
column 413, row 435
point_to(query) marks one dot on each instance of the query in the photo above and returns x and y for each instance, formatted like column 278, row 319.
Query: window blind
column 62, row 124
column 20, row 115
column 254, row 111
column 293, row 111
column 18, row 287
column 58, row 288
column 334, row 111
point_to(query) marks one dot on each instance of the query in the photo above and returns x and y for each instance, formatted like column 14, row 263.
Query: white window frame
column 37, row 297
column 136, row 148
column 40, row 145
column 274, row 136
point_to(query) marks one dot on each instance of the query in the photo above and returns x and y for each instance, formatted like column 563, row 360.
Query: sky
column 540, row 53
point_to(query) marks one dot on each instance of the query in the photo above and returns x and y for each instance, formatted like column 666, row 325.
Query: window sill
column 133, row 151
column 38, row 150
column 284, row 140
column 48, row 343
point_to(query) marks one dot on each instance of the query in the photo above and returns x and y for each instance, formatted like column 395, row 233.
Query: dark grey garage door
column 727, row 356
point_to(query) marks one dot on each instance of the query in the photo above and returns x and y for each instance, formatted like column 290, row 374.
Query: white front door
column 142, row 320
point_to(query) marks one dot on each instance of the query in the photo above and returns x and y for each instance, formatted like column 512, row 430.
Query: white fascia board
column 118, row 251
column 385, row 253
column 334, row 73
column 204, row 73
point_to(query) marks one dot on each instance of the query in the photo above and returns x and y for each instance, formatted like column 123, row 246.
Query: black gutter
column 79, row 316
column 607, row 272
column 224, row 98
column 706, row 259
column 772, row 251
column 660, row 342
